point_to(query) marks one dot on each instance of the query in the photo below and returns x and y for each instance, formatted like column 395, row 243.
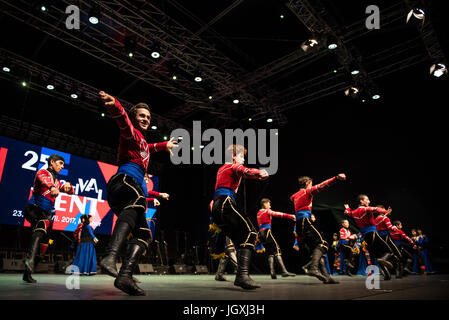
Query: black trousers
column 396, row 251
column 39, row 219
column 128, row 202
column 269, row 242
column 346, row 249
column 233, row 224
column 377, row 247
column 310, row 235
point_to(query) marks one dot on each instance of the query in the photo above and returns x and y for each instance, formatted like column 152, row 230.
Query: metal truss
column 38, row 76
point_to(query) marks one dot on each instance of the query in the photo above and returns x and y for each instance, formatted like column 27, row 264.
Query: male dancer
column 384, row 229
column 399, row 237
column 227, row 216
column 307, row 232
column 41, row 208
column 127, row 191
column 345, row 247
column 364, row 218
column 266, row 236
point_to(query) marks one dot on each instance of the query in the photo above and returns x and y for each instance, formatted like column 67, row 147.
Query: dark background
column 393, row 149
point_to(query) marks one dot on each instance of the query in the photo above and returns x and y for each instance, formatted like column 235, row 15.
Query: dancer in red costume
column 40, row 210
column 226, row 215
column 306, row 229
column 127, row 191
column 266, row 236
column 364, row 218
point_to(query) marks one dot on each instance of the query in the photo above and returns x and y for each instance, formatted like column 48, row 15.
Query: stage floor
column 204, row 287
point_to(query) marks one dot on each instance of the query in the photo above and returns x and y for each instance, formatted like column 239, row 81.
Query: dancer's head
column 55, row 163
column 86, row 219
column 397, row 224
column 312, row 217
column 419, row 231
column 304, row 182
column 335, row 236
column 236, row 153
column 265, row 203
column 345, row 223
column 414, row 233
column 363, row 200
column 140, row 116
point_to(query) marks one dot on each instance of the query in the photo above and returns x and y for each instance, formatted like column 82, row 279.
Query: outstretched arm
column 326, row 184
column 118, row 113
column 281, row 215
column 250, row 173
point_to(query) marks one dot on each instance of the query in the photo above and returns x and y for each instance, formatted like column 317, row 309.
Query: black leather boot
column 124, row 280
column 27, row 277
column 219, row 276
column 385, row 260
column 242, row 279
column 33, row 251
column 399, row 270
column 119, row 235
column 384, row 270
column 272, row 267
column 284, row 271
column 349, row 266
column 313, row 270
column 329, row 279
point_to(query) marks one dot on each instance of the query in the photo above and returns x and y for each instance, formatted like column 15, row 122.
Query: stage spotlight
column 236, row 101
column 153, row 127
column 211, row 97
column 6, row 69
column 332, row 43
column 44, row 6
column 94, row 14
column 269, row 120
column 438, row 70
column 156, row 51
column 73, row 96
column 130, row 46
column 375, row 96
column 308, row 44
column 201, row 146
column 102, row 114
column 24, row 83
column 352, row 92
column 50, row 86
column 198, row 76
column 165, row 138
column 250, row 119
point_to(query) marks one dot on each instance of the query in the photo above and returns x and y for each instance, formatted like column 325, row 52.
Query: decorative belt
column 224, row 192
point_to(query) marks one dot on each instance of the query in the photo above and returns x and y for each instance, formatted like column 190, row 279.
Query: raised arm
column 281, row 215
column 67, row 188
column 325, row 184
column 250, row 173
column 118, row 113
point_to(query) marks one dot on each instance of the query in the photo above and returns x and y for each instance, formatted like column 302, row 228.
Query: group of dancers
column 127, row 196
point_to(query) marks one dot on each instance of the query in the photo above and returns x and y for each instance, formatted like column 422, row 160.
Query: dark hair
column 54, row 157
column 133, row 111
column 303, row 181
column 85, row 219
column 264, row 200
column 341, row 222
column 360, row 197
column 396, row 223
column 381, row 206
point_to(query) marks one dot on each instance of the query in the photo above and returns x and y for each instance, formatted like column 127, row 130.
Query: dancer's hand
column 296, row 248
column 67, row 187
column 263, row 174
column 389, row 210
column 341, row 176
column 164, row 195
column 156, row 202
column 346, row 206
column 54, row 191
column 293, row 217
column 107, row 99
column 172, row 144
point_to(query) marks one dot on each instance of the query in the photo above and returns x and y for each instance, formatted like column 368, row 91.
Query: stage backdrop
column 19, row 163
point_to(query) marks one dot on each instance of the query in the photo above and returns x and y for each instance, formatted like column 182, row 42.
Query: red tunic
column 364, row 216
column 345, row 234
column 132, row 145
column 43, row 181
column 398, row 235
column 230, row 174
column 383, row 223
column 303, row 198
column 264, row 216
